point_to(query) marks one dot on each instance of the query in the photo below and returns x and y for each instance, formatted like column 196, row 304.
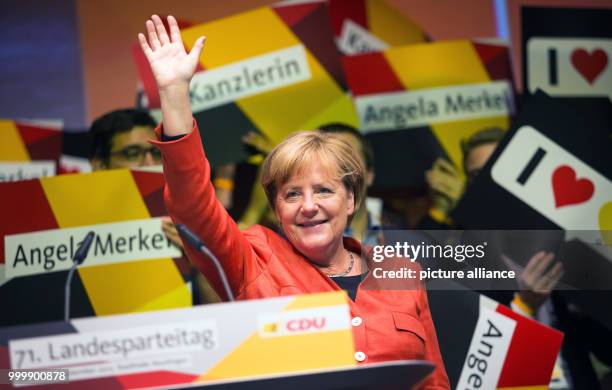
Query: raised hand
column 170, row 63
column 173, row 68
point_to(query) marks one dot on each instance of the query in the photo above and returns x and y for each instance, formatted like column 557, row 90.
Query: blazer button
column 360, row 356
column 356, row 321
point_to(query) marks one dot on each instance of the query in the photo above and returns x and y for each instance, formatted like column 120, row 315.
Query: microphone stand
column 195, row 242
column 67, row 292
column 78, row 258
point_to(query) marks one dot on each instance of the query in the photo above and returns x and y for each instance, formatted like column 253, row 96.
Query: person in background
column 539, row 276
column 314, row 183
column 119, row 139
column 445, row 183
column 535, row 296
column 257, row 210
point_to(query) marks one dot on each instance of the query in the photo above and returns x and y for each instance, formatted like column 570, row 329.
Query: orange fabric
column 259, row 263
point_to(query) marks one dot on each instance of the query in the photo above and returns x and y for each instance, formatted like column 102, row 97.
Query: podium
column 398, row 374
column 292, row 342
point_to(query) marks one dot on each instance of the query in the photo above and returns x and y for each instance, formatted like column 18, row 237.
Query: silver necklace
column 348, row 270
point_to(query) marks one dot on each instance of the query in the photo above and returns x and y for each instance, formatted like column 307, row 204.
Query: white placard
column 355, row 39
column 117, row 346
column 570, row 66
column 17, row 171
column 401, row 110
column 564, row 202
column 487, row 353
column 267, row 72
column 53, row 250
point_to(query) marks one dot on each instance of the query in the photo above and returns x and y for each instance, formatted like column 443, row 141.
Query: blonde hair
column 303, row 148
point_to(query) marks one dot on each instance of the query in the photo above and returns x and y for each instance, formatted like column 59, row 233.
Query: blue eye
column 324, row 190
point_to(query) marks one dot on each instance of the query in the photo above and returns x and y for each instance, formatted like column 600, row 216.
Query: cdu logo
column 292, row 323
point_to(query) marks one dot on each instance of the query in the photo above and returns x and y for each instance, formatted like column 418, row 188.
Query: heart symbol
column 589, row 65
column 569, row 190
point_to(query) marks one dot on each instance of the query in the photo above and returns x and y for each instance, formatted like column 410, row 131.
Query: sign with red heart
column 589, row 65
column 568, row 189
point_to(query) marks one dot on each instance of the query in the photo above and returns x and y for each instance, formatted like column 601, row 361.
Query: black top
column 349, row 284
column 167, row 138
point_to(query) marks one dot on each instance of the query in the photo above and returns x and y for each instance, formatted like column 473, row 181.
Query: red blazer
column 387, row 325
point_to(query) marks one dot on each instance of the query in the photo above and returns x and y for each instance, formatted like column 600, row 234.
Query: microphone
column 81, row 253
column 195, row 242
column 78, row 258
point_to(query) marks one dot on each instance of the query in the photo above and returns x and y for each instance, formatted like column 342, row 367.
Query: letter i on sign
column 552, row 66
column 531, row 166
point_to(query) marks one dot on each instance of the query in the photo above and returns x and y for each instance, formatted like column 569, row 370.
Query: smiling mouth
column 312, row 223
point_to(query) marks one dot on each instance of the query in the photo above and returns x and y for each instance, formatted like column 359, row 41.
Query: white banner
column 114, row 346
column 402, row 110
column 355, row 39
column 53, row 250
column 267, row 72
column 16, row 171
column 570, row 66
column 487, row 352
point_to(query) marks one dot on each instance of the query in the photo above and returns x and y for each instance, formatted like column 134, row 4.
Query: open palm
column 170, row 63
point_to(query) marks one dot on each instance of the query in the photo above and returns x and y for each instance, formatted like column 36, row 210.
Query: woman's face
column 313, row 208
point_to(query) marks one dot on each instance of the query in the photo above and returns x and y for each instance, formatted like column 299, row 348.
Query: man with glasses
column 120, row 139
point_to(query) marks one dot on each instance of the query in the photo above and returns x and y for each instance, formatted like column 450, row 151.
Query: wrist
column 524, row 304
column 441, row 203
column 439, row 216
column 176, row 109
column 178, row 88
column 175, row 96
column 223, row 183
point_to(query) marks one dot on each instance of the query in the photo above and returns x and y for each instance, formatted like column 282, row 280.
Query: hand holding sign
column 169, row 229
column 539, row 278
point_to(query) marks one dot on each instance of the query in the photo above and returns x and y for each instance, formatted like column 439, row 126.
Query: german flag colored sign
column 28, row 150
column 417, row 102
column 130, row 267
column 362, row 26
column 280, row 75
column 487, row 345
